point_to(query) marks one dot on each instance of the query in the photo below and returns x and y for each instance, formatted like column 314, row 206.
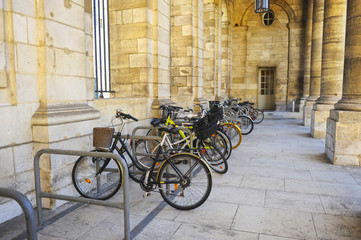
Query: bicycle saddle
column 156, row 121
column 173, row 130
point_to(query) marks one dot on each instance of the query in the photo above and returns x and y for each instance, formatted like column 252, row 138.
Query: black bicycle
column 184, row 180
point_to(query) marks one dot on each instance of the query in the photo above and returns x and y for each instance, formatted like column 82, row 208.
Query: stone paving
column 279, row 186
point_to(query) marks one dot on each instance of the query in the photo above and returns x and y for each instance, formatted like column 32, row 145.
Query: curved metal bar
column 28, row 209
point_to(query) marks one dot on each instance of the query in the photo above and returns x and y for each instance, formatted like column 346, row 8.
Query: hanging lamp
column 261, row 6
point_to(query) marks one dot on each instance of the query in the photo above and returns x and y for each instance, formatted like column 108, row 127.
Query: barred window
column 268, row 18
column 101, row 48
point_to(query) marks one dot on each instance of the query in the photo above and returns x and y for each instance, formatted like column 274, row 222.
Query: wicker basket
column 102, row 137
column 205, row 127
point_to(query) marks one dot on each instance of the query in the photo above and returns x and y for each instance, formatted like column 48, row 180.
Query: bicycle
column 206, row 144
column 183, row 179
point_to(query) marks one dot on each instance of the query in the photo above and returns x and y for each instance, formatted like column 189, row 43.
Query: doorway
column 266, row 89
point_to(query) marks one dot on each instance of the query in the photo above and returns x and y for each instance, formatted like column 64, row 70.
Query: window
column 268, row 17
column 267, row 81
column 101, row 49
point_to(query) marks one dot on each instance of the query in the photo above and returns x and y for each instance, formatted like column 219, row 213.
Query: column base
column 319, row 115
column 343, row 138
column 66, row 126
column 301, row 104
column 307, row 112
column 156, row 112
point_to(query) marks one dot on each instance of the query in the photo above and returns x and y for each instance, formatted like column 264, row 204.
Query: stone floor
column 279, row 186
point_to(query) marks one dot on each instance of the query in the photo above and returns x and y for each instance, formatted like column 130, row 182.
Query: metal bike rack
column 28, row 209
column 125, row 185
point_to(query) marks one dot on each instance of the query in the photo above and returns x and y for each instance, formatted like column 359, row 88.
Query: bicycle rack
column 25, row 204
column 125, row 185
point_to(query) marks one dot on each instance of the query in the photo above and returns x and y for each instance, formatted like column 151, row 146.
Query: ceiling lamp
column 262, row 6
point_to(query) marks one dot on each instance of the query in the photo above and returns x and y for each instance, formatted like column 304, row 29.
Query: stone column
column 210, row 49
column 333, row 48
column 295, row 68
column 225, row 59
column 316, row 57
column 239, row 61
column 307, row 57
column 343, row 139
column 186, row 51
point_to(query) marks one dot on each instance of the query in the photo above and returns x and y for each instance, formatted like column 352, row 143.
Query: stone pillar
column 316, row 58
column 225, row 59
column 333, row 48
column 210, row 50
column 64, row 119
column 186, row 51
column 307, row 57
column 239, row 61
column 295, row 65
column 343, row 139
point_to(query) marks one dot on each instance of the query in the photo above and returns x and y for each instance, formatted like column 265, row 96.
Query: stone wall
column 45, row 95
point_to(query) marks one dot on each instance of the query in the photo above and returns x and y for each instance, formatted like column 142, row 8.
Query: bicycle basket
column 102, row 137
column 213, row 103
column 217, row 112
column 205, row 127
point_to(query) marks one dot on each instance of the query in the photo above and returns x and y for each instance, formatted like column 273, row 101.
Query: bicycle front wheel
column 186, row 182
column 234, row 133
column 212, row 155
column 90, row 182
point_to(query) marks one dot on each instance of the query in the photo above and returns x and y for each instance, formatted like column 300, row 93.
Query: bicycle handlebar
column 125, row 116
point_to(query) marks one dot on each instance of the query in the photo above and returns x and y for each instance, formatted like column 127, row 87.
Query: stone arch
column 281, row 3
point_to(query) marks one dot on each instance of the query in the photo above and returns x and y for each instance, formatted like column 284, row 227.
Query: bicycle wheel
column 245, row 124
column 258, row 116
column 212, row 155
column 145, row 153
column 91, row 184
column 234, row 133
column 186, row 183
column 223, row 143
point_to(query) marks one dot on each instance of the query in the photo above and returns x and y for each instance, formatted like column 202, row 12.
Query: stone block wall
column 45, row 94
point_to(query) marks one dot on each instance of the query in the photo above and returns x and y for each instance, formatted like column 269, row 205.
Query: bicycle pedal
column 146, row 194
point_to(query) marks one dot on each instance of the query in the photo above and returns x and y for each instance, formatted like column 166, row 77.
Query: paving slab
column 337, row 228
column 277, row 222
column 204, row 232
column 294, row 201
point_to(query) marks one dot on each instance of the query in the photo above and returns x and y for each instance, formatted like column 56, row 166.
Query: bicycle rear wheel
column 245, row 124
column 212, row 155
column 101, row 186
column 234, row 133
column 186, row 183
column 145, row 152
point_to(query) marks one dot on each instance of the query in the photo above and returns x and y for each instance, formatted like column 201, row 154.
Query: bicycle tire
column 222, row 141
column 245, row 124
column 258, row 116
column 234, row 133
column 190, row 192
column 212, row 155
column 145, row 152
column 90, row 185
